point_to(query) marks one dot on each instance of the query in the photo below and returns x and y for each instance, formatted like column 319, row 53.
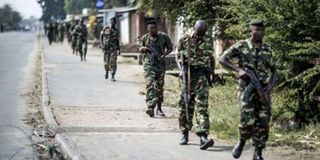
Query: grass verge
column 224, row 117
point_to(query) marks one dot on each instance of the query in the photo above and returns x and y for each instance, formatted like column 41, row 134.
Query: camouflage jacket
column 110, row 39
column 81, row 31
column 258, row 57
column 161, row 43
column 199, row 54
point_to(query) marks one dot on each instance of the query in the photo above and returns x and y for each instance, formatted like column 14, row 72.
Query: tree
column 52, row 10
column 9, row 17
column 293, row 34
column 186, row 11
column 292, row 31
column 76, row 6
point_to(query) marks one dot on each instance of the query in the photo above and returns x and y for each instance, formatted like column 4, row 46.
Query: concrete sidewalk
column 106, row 120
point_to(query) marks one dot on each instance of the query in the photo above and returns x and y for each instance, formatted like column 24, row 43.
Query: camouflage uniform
column 81, row 34
column 73, row 36
column 110, row 38
column 254, row 115
column 199, row 68
column 154, row 70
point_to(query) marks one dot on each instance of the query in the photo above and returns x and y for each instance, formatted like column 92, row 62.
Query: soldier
column 109, row 40
column 155, row 45
column 195, row 52
column 81, row 34
column 73, row 37
column 61, row 30
column 50, row 32
column 255, row 110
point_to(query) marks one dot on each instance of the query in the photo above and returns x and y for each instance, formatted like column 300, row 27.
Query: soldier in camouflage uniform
column 195, row 51
column 72, row 35
column 81, row 34
column 255, row 115
column 109, row 40
column 154, row 66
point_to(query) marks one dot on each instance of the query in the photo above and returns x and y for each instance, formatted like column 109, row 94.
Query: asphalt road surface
column 16, row 50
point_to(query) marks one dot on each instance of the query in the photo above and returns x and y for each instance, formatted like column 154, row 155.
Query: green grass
column 224, row 112
column 224, row 117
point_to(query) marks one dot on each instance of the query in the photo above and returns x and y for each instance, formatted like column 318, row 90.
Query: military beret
column 113, row 19
column 153, row 21
column 257, row 22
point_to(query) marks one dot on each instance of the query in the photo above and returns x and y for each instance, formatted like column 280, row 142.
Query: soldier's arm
column 101, row 39
column 143, row 48
column 118, row 42
column 225, row 60
column 273, row 78
column 169, row 46
column 212, row 64
column 178, row 54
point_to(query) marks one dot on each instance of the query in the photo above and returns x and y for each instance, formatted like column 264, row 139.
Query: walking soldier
column 155, row 45
column 109, row 40
column 252, row 60
column 195, row 53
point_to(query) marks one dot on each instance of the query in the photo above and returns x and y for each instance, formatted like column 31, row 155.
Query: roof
column 118, row 9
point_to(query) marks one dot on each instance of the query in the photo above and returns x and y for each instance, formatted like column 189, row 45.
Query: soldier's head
column 200, row 29
column 257, row 30
column 152, row 27
column 113, row 21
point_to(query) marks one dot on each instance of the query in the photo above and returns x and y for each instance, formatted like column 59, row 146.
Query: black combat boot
column 205, row 143
column 107, row 75
column 258, row 154
column 237, row 150
column 150, row 112
column 159, row 111
column 112, row 77
column 184, row 138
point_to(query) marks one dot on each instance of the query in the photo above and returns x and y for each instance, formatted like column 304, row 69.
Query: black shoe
column 184, row 138
column 107, row 75
column 258, row 154
column 159, row 111
column 237, row 150
column 205, row 143
column 150, row 112
column 112, row 78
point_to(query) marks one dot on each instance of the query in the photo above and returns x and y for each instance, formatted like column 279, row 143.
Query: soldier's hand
column 242, row 74
column 144, row 49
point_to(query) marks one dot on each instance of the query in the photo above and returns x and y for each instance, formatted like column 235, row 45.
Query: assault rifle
column 254, row 81
column 186, row 84
column 155, row 54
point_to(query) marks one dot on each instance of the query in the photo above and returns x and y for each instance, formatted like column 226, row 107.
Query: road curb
column 65, row 144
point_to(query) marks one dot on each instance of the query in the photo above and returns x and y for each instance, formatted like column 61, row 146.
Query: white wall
column 124, row 29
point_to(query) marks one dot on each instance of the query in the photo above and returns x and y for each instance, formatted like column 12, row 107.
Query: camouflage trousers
column 254, row 119
column 110, row 61
column 154, row 86
column 81, row 48
column 198, row 105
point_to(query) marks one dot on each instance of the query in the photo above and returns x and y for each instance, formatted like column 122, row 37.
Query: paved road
column 106, row 120
column 15, row 53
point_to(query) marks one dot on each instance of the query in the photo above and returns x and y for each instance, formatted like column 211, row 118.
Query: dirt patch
column 42, row 136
